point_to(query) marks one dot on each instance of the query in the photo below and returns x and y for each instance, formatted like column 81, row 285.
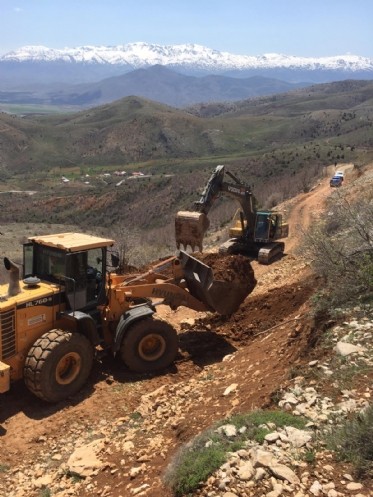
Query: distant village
column 129, row 176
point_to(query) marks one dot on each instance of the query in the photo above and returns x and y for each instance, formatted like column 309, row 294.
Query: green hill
column 279, row 144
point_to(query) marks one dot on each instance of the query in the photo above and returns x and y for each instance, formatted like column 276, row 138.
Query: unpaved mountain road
column 304, row 209
column 261, row 342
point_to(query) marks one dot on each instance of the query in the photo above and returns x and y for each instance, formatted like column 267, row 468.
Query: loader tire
column 149, row 345
column 58, row 364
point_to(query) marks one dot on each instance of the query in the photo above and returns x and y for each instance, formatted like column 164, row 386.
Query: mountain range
column 156, row 83
column 195, row 57
column 177, row 75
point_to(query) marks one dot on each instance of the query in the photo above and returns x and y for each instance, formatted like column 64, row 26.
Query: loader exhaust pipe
column 14, row 286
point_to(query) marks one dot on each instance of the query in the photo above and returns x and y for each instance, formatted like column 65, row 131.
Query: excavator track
column 271, row 252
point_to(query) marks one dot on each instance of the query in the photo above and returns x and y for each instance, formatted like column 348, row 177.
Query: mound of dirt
column 232, row 281
column 260, row 313
column 230, row 268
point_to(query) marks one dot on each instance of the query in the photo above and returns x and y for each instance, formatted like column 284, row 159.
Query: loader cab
column 74, row 261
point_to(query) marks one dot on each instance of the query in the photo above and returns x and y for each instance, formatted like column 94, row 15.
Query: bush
column 353, row 442
column 341, row 250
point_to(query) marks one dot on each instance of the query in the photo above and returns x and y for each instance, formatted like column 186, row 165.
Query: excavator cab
column 269, row 227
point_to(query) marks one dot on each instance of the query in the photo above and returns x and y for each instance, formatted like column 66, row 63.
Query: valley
column 122, row 432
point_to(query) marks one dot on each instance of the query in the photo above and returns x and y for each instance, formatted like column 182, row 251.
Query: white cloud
column 18, row 9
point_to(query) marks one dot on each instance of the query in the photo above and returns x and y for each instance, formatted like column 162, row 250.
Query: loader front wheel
column 58, row 364
column 149, row 345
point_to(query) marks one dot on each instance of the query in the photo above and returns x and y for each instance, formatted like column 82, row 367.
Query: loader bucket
column 223, row 297
column 190, row 229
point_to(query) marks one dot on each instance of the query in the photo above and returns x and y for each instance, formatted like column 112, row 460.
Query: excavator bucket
column 190, row 229
column 223, row 297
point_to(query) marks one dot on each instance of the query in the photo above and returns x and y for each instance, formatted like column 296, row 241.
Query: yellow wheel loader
column 254, row 233
column 71, row 305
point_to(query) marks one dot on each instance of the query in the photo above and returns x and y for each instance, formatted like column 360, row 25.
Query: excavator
column 253, row 233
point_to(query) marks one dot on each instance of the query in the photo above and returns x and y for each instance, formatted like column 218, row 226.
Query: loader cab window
column 76, row 279
column 56, row 265
column 28, row 259
column 95, row 271
column 84, row 283
column 44, row 262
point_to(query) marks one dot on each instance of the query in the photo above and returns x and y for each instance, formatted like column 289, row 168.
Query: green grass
column 195, row 469
column 196, row 461
column 4, row 468
column 309, row 457
column 45, row 492
column 24, row 109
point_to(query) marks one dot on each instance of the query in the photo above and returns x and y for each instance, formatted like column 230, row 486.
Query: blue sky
column 251, row 27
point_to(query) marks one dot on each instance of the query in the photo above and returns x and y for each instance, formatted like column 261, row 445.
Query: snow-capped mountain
column 34, row 74
column 188, row 56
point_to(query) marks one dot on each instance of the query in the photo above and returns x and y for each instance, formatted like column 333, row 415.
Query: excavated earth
column 230, row 268
column 141, row 420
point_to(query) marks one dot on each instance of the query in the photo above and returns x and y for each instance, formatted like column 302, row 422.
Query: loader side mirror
column 114, row 260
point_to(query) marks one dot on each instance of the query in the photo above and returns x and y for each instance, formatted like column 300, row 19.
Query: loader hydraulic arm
column 177, row 281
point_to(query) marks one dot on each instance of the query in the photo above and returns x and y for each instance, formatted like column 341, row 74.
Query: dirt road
column 260, row 343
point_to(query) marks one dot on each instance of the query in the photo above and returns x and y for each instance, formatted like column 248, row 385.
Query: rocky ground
column 120, row 433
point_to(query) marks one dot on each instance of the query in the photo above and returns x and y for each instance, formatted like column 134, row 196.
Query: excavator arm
column 191, row 226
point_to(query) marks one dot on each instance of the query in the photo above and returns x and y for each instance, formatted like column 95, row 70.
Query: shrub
column 353, row 442
column 197, row 460
column 341, row 250
column 194, row 466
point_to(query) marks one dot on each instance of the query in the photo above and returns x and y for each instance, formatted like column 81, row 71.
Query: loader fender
column 126, row 320
column 86, row 325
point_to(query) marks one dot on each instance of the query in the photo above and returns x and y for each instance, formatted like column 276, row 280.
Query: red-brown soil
column 269, row 334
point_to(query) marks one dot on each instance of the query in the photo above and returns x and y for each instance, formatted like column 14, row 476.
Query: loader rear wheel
column 149, row 345
column 58, row 365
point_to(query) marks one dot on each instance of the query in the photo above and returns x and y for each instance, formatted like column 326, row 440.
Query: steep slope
column 138, row 422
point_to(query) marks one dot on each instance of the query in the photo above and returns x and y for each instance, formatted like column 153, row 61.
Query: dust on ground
column 269, row 334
